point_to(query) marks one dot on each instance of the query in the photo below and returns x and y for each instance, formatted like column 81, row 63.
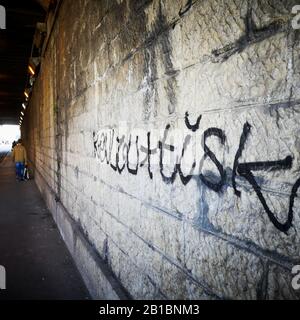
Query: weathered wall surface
column 216, row 215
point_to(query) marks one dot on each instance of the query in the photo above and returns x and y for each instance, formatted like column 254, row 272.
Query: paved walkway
column 37, row 262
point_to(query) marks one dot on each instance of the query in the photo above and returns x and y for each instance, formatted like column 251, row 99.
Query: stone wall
column 165, row 139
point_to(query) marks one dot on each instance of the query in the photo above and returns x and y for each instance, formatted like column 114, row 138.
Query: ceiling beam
column 15, row 48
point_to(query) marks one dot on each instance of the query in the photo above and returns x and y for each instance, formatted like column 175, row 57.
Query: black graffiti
column 95, row 143
column 114, row 167
column 185, row 179
column 100, row 146
column 121, row 142
column 193, row 127
column 245, row 170
column 148, row 152
column 163, row 146
column 186, row 8
column 208, row 153
column 266, row 165
column 243, row 139
column 133, row 171
column 104, row 143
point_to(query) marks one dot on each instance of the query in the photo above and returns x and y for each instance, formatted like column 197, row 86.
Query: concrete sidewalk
column 37, row 262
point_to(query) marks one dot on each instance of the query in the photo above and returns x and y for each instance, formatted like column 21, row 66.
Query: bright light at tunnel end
column 8, row 134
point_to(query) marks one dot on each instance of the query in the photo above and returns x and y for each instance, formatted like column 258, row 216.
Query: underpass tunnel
column 35, row 263
column 162, row 149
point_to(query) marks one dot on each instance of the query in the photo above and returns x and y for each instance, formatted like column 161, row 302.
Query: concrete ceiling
column 15, row 49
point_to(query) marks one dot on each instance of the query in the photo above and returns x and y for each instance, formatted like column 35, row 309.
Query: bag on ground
column 26, row 174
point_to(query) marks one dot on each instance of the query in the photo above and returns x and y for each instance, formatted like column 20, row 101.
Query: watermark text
column 2, row 278
column 296, row 279
column 2, row 17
